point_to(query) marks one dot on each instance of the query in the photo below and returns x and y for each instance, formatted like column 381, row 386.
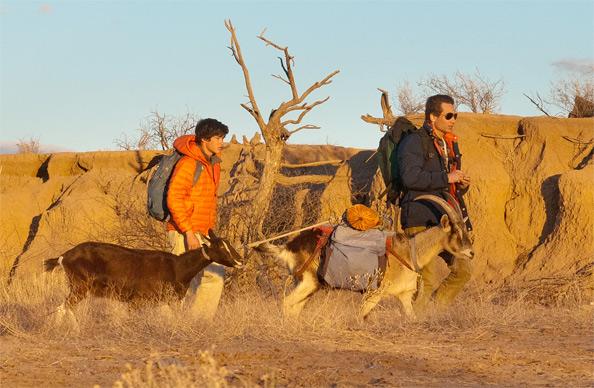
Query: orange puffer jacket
column 193, row 207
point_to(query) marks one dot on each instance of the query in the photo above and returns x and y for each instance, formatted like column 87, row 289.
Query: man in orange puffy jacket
column 193, row 207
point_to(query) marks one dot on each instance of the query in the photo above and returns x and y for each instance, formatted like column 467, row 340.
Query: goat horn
column 453, row 201
column 452, row 214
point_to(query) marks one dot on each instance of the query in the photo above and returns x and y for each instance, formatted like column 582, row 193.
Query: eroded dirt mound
column 530, row 200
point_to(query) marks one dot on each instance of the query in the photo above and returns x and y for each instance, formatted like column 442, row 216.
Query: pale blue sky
column 78, row 74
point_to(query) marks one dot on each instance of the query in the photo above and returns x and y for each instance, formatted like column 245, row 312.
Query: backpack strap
column 426, row 142
column 320, row 244
column 197, row 173
column 390, row 250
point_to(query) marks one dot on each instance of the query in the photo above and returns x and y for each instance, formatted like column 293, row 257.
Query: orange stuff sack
column 361, row 217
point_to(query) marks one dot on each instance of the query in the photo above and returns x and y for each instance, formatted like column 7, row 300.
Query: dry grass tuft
column 206, row 372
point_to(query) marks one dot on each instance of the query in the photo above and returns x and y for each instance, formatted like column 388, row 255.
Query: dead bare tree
column 275, row 131
column 476, row 92
column 158, row 131
column 30, row 146
column 408, row 102
column 387, row 119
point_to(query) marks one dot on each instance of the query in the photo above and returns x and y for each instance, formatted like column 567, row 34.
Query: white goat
column 397, row 280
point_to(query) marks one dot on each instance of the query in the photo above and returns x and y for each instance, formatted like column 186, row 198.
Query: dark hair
column 207, row 128
column 433, row 104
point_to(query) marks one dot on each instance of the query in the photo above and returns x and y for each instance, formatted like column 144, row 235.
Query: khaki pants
column 206, row 287
column 446, row 292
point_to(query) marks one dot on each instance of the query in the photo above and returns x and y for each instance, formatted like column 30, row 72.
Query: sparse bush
column 158, row 131
column 474, row 91
column 30, row 146
column 408, row 102
column 136, row 228
column 574, row 95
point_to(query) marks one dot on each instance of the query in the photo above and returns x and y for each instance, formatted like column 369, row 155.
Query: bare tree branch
column 306, row 108
column 301, row 179
column 577, row 141
column 385, row 103
column 287, row 68
column 281, row 78
column 388, row 117
column 283, row 66
column 326, row 81
column 297, row 101
column 236, row 50
column 250, row 110
column 270, row 43
column 313, row 164
column 158, row 125
column 307, row 126
column 143, row 141
column 124, row 143
column 538, row 104
column 495, row 136
column 297, row 107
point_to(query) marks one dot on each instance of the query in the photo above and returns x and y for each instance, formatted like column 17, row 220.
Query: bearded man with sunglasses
column 429, row 163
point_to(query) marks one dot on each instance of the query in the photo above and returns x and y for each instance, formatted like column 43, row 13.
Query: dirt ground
column 530, row 203
column 484, row 344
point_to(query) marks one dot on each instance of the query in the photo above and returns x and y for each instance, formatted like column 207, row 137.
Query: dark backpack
column 387, row 157
column 159, row 184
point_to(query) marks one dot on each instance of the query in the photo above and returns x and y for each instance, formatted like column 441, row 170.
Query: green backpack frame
column 387, row 157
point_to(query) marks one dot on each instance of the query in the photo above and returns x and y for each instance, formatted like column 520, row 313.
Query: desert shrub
column 158, row 131
column 408, row 102
column 574, row 95
column 572, row 92
column 475, row 91
column 30, row 146
column 134, row 227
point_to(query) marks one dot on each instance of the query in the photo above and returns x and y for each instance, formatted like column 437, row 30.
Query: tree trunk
column 273, row 158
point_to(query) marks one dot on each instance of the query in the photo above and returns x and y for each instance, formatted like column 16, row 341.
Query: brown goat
column 136, row 275
column 450, row 235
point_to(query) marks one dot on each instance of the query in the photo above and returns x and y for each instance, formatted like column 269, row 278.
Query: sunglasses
column 451, row 115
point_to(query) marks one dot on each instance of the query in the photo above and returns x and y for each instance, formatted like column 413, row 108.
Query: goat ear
column 445, row 223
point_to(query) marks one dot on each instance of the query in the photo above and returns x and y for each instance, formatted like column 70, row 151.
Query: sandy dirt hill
column 530, row 201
